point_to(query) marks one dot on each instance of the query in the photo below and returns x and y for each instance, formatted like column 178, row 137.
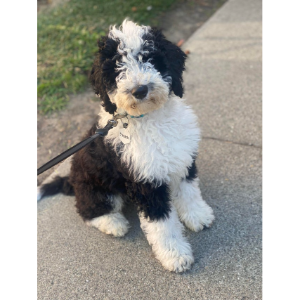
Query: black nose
column 140, row 92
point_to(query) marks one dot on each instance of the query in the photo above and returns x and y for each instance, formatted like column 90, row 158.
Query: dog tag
column 124, row 136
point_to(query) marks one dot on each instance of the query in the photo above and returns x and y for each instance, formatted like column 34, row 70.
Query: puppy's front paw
column 179, row 263
column 114, row 224
column 198, row 218
column 168, row 243
column 175, row 254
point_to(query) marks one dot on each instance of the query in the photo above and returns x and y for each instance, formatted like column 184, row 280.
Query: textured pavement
column 223, row 84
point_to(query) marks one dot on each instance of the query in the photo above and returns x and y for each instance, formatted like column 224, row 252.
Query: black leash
column 102, row 132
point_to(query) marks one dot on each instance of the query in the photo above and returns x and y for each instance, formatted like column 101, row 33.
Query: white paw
column 178, row 263
column 175, row 253
column 198, row 218
column 169, row 245
column 114, row 224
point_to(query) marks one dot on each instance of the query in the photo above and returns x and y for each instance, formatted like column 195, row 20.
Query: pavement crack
column 232, row 142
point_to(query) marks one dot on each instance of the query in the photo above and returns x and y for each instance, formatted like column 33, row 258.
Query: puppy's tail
column 58, row 185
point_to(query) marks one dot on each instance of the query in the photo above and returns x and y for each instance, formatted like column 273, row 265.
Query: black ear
column 103, row 74
column 174, row 59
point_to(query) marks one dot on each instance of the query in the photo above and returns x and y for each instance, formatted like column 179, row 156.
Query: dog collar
column 119, row 116
column 134, row 117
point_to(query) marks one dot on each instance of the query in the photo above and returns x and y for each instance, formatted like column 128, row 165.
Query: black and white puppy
column 151, row 162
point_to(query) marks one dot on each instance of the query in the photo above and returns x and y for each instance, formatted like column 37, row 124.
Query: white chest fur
column 162, row 143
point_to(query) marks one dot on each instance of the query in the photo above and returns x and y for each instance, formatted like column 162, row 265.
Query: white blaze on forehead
column 129, row 36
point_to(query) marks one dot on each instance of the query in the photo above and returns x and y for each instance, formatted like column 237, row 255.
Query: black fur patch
column 153, row 201
column 192, row 172
column 58, row 185
column 167, row 58
column 103, row 74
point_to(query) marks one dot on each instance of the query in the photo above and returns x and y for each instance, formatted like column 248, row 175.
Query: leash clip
column 112, row 122
column 119, row 116
column 109, row 125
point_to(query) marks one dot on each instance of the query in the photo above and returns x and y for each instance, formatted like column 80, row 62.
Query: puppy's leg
column 168, row 243
column 161, row 225
column 114, row 222
column 191, row 208
column 102, row 210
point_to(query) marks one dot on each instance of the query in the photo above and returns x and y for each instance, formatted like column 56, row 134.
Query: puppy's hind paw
column 114, row 224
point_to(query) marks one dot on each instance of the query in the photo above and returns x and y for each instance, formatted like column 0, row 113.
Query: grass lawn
column 67, row 42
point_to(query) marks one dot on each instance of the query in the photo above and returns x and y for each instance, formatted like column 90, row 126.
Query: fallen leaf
column 133, row 8
column 179, row 44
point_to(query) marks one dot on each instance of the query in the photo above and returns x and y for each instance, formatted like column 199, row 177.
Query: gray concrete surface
column 223, row 79
column 223, row 84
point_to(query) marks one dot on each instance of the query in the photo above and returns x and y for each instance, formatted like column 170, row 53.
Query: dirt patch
column 63, row 129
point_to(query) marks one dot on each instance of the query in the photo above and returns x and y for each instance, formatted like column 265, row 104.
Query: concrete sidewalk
column 223, row 84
